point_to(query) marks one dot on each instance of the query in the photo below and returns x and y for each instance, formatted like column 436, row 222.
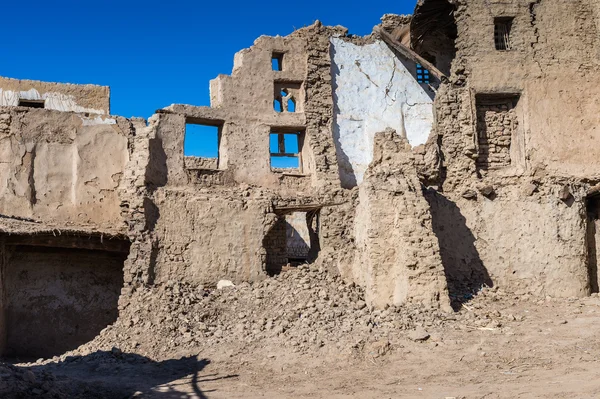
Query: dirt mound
column 305, row 309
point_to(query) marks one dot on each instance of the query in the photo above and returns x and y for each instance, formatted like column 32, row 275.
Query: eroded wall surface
column 56, row 96
column 374, row 89
column 515, row 177
column 398, row 258
column 61, row 167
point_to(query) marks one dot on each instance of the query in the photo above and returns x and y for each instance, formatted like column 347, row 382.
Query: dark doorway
column 292, row 240
column 593, row 239
column 58, row 297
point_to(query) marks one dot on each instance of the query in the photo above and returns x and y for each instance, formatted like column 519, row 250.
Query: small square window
column 201, row 140
column 284, row 150
column 502, row 28
column 277, row 62
column 422, row 74
column 32, row 103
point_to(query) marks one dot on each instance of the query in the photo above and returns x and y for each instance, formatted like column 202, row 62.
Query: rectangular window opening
column 32, row 103
column 201, row 140
column 284, row 151
column 422, row 74
column 277, row 62
column 502, row 28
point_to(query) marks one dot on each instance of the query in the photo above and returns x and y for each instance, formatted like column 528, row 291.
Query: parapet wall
column 62, row 167
column 57, row 96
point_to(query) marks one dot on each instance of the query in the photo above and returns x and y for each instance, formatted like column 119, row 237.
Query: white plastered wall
column 52, row 100
column 373, row 90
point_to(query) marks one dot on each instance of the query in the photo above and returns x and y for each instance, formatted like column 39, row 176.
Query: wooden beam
column 69, row 242
column 302, row 207
column 408, row 53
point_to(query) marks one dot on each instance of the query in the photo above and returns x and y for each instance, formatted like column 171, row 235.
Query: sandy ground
column 540, row 349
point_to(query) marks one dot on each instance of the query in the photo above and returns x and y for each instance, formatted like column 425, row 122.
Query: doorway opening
column 59, row 291
column 293, row 240
column 593, row 239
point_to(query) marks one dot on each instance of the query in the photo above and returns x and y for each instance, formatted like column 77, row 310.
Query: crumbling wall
column 374, row 89
column 206, row 238
column 62, row 167
column 515, row 197
column 398, row 258
column 56, row 96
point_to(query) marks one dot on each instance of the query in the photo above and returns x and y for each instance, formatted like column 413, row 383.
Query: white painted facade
column 52, row 100
column 374, row 90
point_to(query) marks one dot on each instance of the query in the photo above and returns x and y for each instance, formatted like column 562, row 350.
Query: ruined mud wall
column 518, row 138
column 56, row 96
column 398, row 259
column 233, row 197
column 204, row 238
column 62, row 167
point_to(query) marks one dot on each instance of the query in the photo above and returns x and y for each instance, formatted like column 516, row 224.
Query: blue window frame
column 422, row 74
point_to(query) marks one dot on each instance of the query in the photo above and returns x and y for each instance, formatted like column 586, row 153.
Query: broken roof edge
column 11, row 225
column 408, row 53
column 55, row 83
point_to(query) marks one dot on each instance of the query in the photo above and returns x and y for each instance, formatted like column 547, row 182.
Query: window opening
column 293, row 240
column 32, row 103
column 201, row 140
column 277, row 62
column 284, row 150
column 502, row 28
column 277, row 105
column 291, row 105
column 422, row 74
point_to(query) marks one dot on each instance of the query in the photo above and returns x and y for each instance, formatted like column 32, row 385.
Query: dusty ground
column 552, row 352
column 499, row 345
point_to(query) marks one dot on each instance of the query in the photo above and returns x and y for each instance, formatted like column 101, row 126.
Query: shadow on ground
column 113, row 374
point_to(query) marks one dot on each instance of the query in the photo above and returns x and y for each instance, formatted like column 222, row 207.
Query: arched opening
column 433, row 32
column 291, row 104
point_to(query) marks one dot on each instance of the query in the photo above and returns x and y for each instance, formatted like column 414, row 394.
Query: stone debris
column 303, row 309
column 419, row 334
column 224, row 283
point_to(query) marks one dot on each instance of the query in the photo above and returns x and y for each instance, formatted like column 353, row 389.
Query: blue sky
column 153, row 54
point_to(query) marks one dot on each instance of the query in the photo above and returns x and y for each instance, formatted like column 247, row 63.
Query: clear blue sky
column 153, row 54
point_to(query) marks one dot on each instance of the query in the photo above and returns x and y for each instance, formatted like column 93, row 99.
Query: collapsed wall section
column 397, row 256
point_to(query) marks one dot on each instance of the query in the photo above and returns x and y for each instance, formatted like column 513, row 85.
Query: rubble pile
column 304, row 309
column 26, row 382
